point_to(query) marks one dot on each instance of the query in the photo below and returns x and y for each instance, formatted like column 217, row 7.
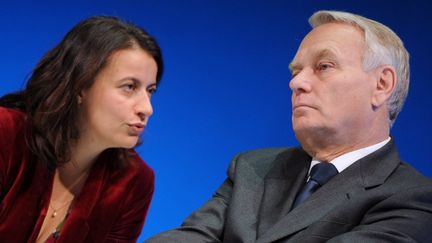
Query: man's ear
column 386, row 79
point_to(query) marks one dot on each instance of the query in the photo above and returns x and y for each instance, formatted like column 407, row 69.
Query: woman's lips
column 136, row 129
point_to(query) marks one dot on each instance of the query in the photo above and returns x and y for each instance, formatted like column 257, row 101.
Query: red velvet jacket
column 111, row 207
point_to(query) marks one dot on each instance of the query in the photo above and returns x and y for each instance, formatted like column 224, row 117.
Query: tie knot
column 323, row 172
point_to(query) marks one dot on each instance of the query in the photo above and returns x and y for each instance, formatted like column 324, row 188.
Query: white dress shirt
column 345, row 160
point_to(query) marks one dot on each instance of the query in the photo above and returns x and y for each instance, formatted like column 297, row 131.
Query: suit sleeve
column 404, row 217
column 207, row 223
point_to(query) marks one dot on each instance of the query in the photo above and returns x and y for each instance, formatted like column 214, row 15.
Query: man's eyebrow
column 324, row 53
column 294, row 66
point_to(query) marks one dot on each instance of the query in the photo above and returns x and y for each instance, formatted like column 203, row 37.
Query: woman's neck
column 83, row 156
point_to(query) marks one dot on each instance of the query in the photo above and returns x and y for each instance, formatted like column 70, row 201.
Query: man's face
column 331, row 91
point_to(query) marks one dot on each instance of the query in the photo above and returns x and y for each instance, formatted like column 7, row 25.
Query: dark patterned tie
column 319, row 175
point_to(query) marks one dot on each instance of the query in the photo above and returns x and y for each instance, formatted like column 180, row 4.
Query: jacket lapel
column 280, row 187
column 368, row 172
column 83, row 206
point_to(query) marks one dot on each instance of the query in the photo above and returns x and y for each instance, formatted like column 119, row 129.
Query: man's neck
column 329, row 149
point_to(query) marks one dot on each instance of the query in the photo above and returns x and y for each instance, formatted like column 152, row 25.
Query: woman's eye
column 151, row 90
column 129, row 87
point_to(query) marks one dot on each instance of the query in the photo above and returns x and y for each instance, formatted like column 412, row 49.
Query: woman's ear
column 385, row 84
column 79, row 99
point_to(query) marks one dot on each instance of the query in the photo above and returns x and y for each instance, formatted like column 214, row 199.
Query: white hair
column 382, row 47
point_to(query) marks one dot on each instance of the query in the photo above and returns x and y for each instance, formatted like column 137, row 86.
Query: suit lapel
column 368, row 172
column 280, row 187
column 315, row 207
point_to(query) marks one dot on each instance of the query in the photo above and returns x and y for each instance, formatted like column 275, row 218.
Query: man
column 350, row 80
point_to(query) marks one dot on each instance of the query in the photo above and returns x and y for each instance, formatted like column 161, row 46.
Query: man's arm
column 208, row 222
column 404, row 217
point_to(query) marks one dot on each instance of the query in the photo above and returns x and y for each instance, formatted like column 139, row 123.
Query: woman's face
column 116, row 108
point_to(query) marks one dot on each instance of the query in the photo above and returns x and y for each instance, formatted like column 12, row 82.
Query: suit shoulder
column 409, row 177
column 263, row 152
column 269, row 154
column 262, row 160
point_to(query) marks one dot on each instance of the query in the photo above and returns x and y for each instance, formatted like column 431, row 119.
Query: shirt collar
column 345, row 160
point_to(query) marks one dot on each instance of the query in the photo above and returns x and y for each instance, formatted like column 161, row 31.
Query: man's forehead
column 333, row 32
column 329, row 40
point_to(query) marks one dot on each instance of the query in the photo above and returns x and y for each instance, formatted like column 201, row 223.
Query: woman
column 68, row 172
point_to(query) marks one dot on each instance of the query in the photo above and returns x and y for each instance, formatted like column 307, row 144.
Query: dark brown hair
column 50, row 96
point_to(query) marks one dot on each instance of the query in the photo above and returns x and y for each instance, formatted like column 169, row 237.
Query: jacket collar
column 84, row 204
column 367, row 172
column 281, row 184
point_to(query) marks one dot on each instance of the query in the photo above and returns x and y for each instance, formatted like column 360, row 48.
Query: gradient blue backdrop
column 225, row 88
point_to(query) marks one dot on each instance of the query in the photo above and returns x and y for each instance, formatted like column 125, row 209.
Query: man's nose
column 301, row 82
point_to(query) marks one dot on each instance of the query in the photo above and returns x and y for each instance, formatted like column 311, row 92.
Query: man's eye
column 324, row 66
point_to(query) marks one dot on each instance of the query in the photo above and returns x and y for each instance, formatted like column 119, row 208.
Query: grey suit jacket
column 379, row 198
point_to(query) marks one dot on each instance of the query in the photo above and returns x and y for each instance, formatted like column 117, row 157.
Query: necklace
column 55, row 211
column 68, row 202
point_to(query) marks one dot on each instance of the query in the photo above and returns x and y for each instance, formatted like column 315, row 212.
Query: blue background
column 225, row 89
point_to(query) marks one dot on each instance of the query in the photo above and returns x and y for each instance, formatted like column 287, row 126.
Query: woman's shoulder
column 139, row 167
column 9, row 118
column 142, row 177
column 132, row 182
column 13, row 146
column 12, row 127
column 12, row 122
column 135, row 172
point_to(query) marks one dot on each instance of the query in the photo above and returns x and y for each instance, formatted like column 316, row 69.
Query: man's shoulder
column 268, row 154
column 406, row 176
column 262, row 160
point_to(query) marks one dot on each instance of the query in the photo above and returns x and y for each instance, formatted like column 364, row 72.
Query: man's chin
column 308, row 131
column 305, row 125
